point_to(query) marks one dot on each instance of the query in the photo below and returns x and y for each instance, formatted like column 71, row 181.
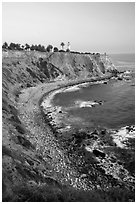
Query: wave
column 122, row 135
column 89, row 104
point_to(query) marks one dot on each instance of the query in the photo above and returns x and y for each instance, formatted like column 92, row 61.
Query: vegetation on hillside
column 41, row 48
column 52, row 193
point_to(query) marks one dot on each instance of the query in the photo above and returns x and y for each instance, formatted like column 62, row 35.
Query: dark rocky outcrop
column 98, row 153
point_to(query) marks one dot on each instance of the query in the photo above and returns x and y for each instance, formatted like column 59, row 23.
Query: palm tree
column 62, row 45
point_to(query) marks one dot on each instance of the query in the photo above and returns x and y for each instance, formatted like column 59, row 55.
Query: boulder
column 100, row 102
column 103, row 132
column 98, row 153
column 130, row 128
column 120, row 78
column 95, row 132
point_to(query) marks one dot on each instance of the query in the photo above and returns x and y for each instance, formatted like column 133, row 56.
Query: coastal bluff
column 43, row 66
column 34, row 164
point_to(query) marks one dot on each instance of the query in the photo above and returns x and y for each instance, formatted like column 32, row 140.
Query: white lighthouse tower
column 68, row 46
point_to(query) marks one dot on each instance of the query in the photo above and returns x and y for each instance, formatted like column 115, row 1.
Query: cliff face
column 82, row 65
column 42, row 67
column 26, row 163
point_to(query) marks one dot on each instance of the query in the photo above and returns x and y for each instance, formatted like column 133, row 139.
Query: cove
column 110, row 105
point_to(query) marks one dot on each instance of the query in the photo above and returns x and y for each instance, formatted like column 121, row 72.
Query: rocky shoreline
column 54, row 113
column 103, row 145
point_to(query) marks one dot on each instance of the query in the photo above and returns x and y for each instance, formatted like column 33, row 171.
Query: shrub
column 56, row 49
column 5, row 45
column 52, row 193
column 61, row 51
column 12, row 46
column 67, row 50
column 49, row 48
column 27, row 46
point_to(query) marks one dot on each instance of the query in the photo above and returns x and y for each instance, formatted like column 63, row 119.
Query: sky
column 93, row 27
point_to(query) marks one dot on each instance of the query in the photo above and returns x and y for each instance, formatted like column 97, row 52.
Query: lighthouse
column 68, row 46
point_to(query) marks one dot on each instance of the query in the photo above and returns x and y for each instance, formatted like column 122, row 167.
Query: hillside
column 35, row 165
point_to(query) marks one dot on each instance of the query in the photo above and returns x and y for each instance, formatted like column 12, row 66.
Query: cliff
column 44, row 66
column 35, row 166
column 81, row 65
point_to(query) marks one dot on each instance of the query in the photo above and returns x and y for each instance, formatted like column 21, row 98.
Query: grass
column 51, row 193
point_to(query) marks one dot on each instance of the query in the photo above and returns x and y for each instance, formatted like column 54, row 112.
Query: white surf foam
column 122, row 136
column 83, row 104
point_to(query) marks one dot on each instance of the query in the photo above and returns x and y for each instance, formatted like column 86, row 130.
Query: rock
column 103, row 132
column 130, row 128
column 95, row 137
column 25, row 142
column 113, row 159
column 120, row 78
column 49, row 112
column 83, row 175
column 98, row 153
column 102, row 170
column 119, row 162
column 100, row 102
column 20, row 129
column 29, row 85
column 95, row 132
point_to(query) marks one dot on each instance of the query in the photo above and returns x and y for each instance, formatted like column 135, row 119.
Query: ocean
column 109, row 105
column 124, row 61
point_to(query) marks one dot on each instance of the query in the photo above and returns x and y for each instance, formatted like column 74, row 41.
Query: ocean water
column 118, row 97
column 124, row 61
